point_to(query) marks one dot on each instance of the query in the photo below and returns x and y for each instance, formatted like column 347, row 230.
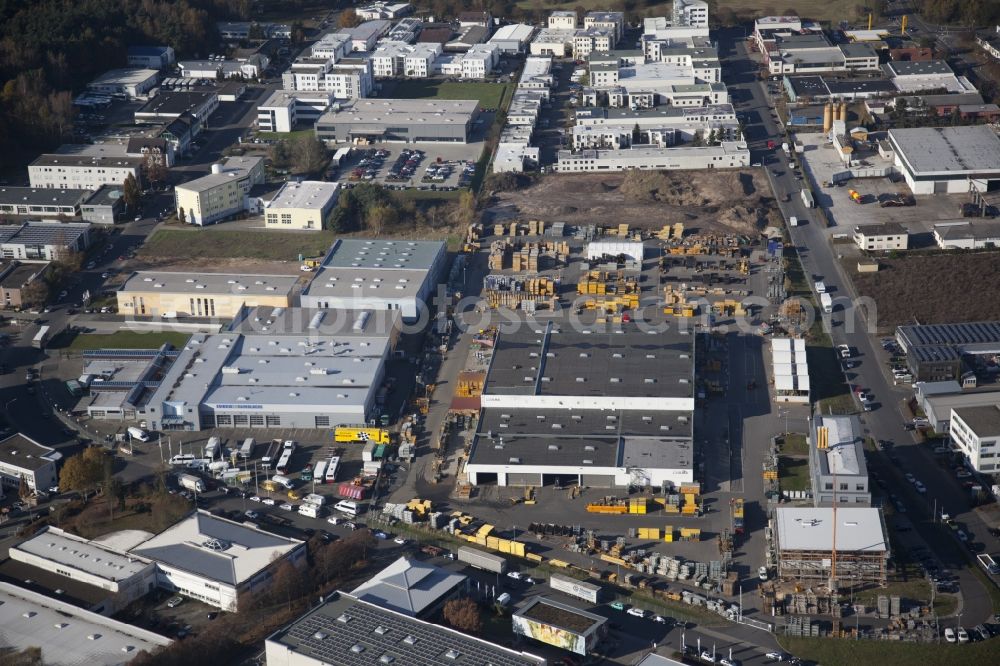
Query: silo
column 827, row 117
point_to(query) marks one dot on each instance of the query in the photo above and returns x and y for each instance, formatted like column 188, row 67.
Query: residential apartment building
column 303, row 205
column 221, row 194
column 693, row 13
column 589, row 40
column 614, row 21
column 332, row 46
column 563, row 19
column 976, row 433
column 477, row 63
column 14, row 280
column 391, row 59
column 556, row 42
column 883, row 237
column 347, row 79
column 82, row 172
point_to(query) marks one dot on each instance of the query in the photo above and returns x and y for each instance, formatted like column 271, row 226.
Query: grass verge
column 888, row 653
column 793, row 473
column 128, row 340
column 795, row 444
column 219, row 242
column 291, row 136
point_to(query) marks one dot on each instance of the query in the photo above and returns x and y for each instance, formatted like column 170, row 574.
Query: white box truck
column 826, row 302
column 139, row 434
column 191, row 482
column 807, row 199
column 820, row 287
column 314, row 498
column 310, row 510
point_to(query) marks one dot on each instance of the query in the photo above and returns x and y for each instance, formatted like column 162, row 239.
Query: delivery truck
column 827, row 302
column 576, row 588
column 482, row 560
column 807, row 199
column 191, row 482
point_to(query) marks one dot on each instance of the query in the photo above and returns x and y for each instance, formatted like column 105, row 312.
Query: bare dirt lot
column 933, row 289
column 724, row 201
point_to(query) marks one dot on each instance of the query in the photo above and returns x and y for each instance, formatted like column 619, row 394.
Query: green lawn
column 490, row 95
column 889, row 653
column 795, row 445
column 218, row 242
column 793, row 473
column 271, row 136
column 128, row 340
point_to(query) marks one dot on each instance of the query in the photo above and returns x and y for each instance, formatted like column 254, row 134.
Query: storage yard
column 724, row 201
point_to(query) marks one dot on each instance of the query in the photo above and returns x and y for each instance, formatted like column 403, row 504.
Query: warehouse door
column 523, row 479
column 560, row 480
column 597, row 480
column 940, row 187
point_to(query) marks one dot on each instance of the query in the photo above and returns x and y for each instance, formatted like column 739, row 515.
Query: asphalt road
column 847, row 326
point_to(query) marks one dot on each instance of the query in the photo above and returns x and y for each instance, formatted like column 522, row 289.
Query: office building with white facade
column 883, row 237
column 332, row 46
column 364, row 37
column 390, row 59
column 837, row 465
column 82, row 172
column 975, row 431
column 346, row 79
column 42, row 202
column 214, row 560
column 23, row 458
column 35, row 240
column 562, row 19
column 285, row 110
column 476, row 63
column 728, row 155
column 378, row 274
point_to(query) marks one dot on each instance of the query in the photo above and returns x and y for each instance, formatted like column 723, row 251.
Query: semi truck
column 213, row 449
column 827, row 302
column 482, row 560
column 191, row 482
column 273, row 450
column 246, row 450
column 807, row 199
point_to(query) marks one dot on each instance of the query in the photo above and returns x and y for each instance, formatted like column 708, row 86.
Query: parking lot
column 418, row 166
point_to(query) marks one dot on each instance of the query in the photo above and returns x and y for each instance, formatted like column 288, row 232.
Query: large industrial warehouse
column 378, row 274
column 586, row 407
column 805, row 540
column 266, row 373
column 375, row 120
column 939, row 160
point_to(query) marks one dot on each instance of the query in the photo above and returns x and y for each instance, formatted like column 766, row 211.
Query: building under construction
column 805, row 545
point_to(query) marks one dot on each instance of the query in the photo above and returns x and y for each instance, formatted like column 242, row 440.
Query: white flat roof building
column 728, row 155
column 947, row 159
column 131, row 82
column 68, row 635
column 975, row 431
column 23, row 457
column 512, row 39
column 805, row 540
column 215, row 560
column 791, row 370
column 379, row 274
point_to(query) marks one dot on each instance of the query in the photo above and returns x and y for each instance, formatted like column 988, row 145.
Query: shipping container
column 576, row 588
column 482, row 560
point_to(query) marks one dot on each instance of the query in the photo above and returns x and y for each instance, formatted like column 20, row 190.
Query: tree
column 711, row 138
column 71, row 260
column 298, row 33
column 309, row 154
column 463, row 614
column 348, row 19
column 23, row 489
column 154, row 168
column 377, row 218
column 35, row 293
column 636, row 134
column 180, row 216
column 85, row 470
column 699, row 139
column 466, row 207
column 256, row 32
column 280, row 154
column 131, row 193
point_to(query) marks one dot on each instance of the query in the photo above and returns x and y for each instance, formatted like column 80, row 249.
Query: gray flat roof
column 811, row 528
column 408, row 586
column 70, row 551
column 34, row 196
column 968, row 230
column 631, row 363
column 984, row 420
column 215, row 548
column 107, row 162
column 881, row 229
column 379, row 110
column 124, row 76
column 60, row 234
column 20, row 276
column 383, row 254
column 169, row 282
column 807, row 85
column 175, row 102
column 330, row 632
column 313, row 194
column 976, row 332
column 21, row 451
column 845, row 86
column 929, row 150
column 574, row 422
column 366, row 283
column 307, row 321
column 61, row 630
column 845, row 454
column 917, row 67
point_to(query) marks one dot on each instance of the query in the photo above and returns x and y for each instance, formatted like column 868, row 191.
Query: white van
column 346, row 506
column 182, row 459
column 138, row 433
column 283, row 481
